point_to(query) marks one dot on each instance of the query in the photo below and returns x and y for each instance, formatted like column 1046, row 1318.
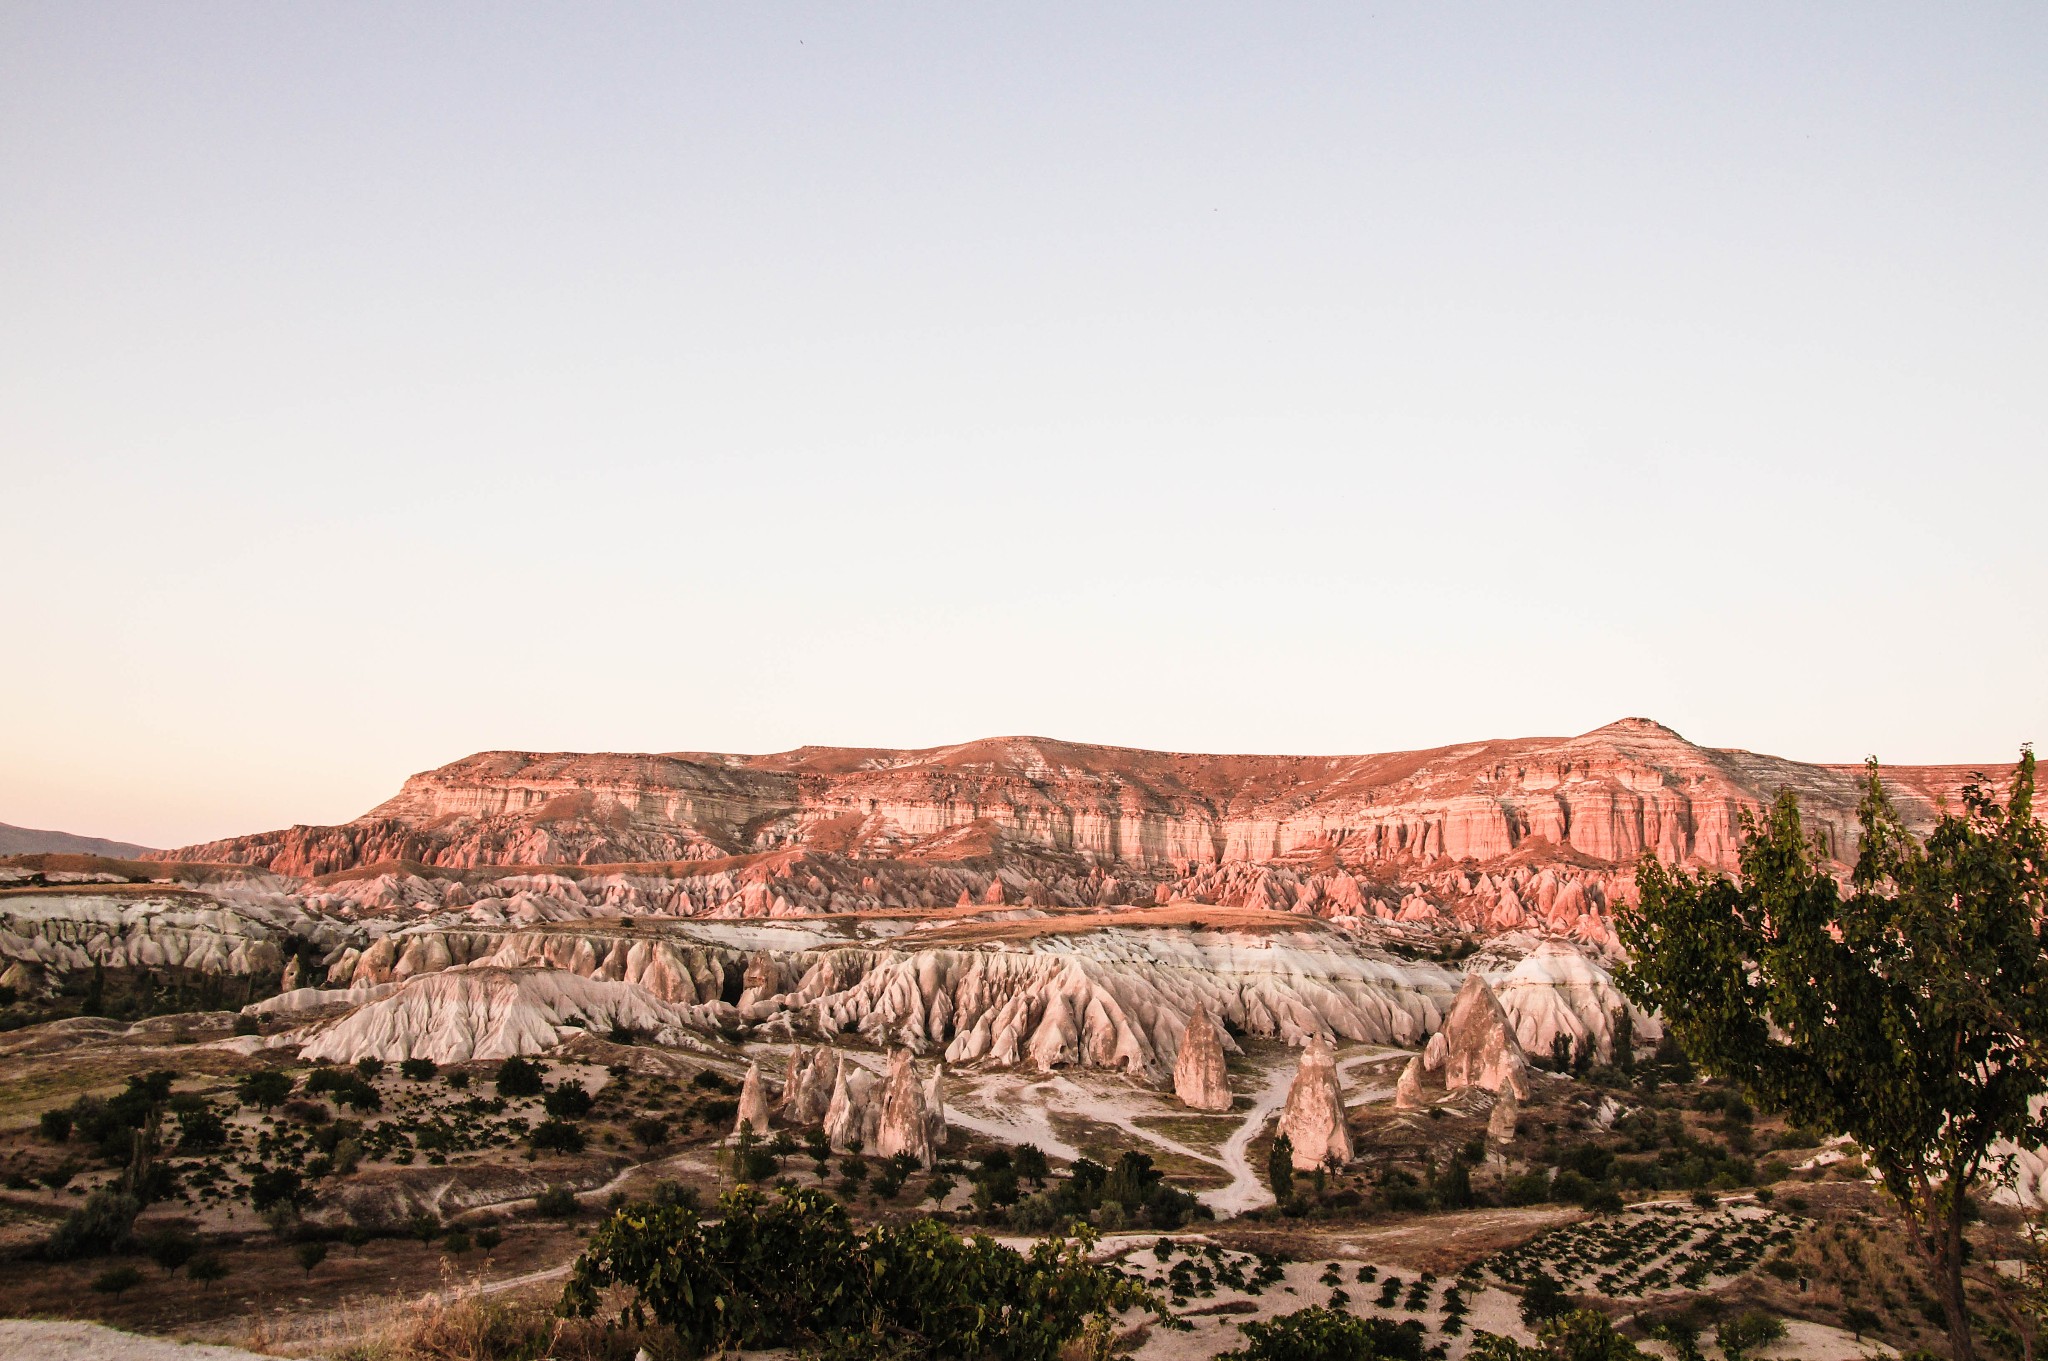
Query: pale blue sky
column 380, row 383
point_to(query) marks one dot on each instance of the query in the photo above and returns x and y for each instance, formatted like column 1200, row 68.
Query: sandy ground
column 37, row 1340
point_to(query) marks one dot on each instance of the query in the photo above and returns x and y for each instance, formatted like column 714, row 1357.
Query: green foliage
column 98, row 1226
column 310, row 1254
column 207, row 1268
column 556, row 1136
column 54, row 1125
column 915, row 1289
column 1582, row 1335
column 265, row 1088
column 567, row 1101
column 117, row 1280
column 417, row 1070
column 557, row 1202
column 1543, row 1299
column 275, row 1186
column 1911, row 1014
column 519, row 1077
column 1280, row 1168
column 1743, row 1334
column 1319, row 1334
column 171, row 1249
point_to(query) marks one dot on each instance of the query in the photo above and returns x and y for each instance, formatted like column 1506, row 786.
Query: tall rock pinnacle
column 1313, row 1119
column 1200, row 1079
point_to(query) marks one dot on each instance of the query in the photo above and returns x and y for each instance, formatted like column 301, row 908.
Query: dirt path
column 1245, row 1190
column 68, row 1340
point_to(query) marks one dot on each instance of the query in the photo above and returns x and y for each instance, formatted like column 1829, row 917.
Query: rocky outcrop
column 152, row 927
column 1507, row 1113
column 753, row 1106
column 1554, row 989
column 905, row 1124
column 852, row 1117
column 1408, row 1095
column 807, row 1091
column 491, row 1013
column 1479, row 1048
column 1313, row 1118
column 1200, row 1078
column 1609, row 795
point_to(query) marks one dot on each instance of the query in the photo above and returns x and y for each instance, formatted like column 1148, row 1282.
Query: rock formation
column 490, row 1013
column 1408, row 1088
column 1507, row 1111
column 1609, row 795
column 904, row 1124
column 753, row 1107
column 807, row 1092
column 1313, row 1118
column 1480, row 1049
column 1200, row 1078
column 852, row 1117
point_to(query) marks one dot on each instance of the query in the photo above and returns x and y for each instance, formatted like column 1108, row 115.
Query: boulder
column 1313, row 1119
column 1200, row 1079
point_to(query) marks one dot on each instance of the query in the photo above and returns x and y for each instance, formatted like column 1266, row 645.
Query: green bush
column 1319, row 1334
column 416, row 1070
column 117, row 1280
column 519, row 1077
column 567, row 1101
column 914, row 1289
column 1743, row 1334
column 98, row 1226
column 557, row 1202
column 556, row 1136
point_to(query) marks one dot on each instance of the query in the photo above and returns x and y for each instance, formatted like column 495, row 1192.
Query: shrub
column 55, row 1125
column 310, row 1254
column 1543, row 1299
column 273, row 1186
column 455, row 1241
column 519, row 1077
column 417, row 1070
column 557, row 1202
column 567, row 1101
column 459, row 1080
column 369, row 1067
column 1743, row 1334
column 207, row 1268
column 650, row 1131
column 1319, row 1334
column 98, row 1226
column 1582, row 1335
column 117, row 1280
column 912, row 1289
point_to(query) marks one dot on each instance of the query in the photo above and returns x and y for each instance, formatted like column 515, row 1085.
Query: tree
column 171, row 1249
column 1910, row 1014
column 264, row 1088
column 1031, row 1164
column 416, row 1070
column 1582, row 1335
column 650, row 1131
column 566, row 1100
column 911, row 1289
column 519, row 1077
column 310, row 1254
column 1280, row 1168
column 1624, row 1039
column 207, row 1268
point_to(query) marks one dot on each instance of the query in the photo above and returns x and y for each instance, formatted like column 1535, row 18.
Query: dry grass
column 472, row 1328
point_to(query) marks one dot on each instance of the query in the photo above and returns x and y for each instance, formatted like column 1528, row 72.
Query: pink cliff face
column 1522, row 834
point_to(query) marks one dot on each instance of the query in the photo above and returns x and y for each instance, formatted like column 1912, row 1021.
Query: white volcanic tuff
column 1477, row 1046
column 1118, row 998
column 1313, row 1118
column 1200, row 1078
column 167, row 929
column 672, row 970
column 1555, row 990
column 492, row 1013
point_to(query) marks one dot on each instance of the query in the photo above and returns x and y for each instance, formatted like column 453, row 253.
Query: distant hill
column 29, row 841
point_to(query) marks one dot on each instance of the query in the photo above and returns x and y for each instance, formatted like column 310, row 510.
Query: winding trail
column 1245, row 1190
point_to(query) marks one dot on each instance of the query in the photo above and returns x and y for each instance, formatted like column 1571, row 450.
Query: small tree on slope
column 1910, row 1014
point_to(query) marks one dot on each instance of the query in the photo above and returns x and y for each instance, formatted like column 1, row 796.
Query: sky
column 381, row 383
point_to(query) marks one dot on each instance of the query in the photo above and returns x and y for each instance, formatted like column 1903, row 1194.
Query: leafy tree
column 1280, row 1168
column 557, row 1202
column 555, row 1136
column 171, row 1249
column 1743, row 1334
column 55, row 1125
column 100, row 1225
column 1624, row 1039
column 273, row 1186
column 519, row 1077
column 369, row 1066
column 265, row 1088
column 567, row 1101
column 650, row 1131
column 310, row 1254
column 1543, row 1299
column 207, row 1268
column 1031, row 1164
column 914, row 1289
column 416, row 1070
column 1910, row 1014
